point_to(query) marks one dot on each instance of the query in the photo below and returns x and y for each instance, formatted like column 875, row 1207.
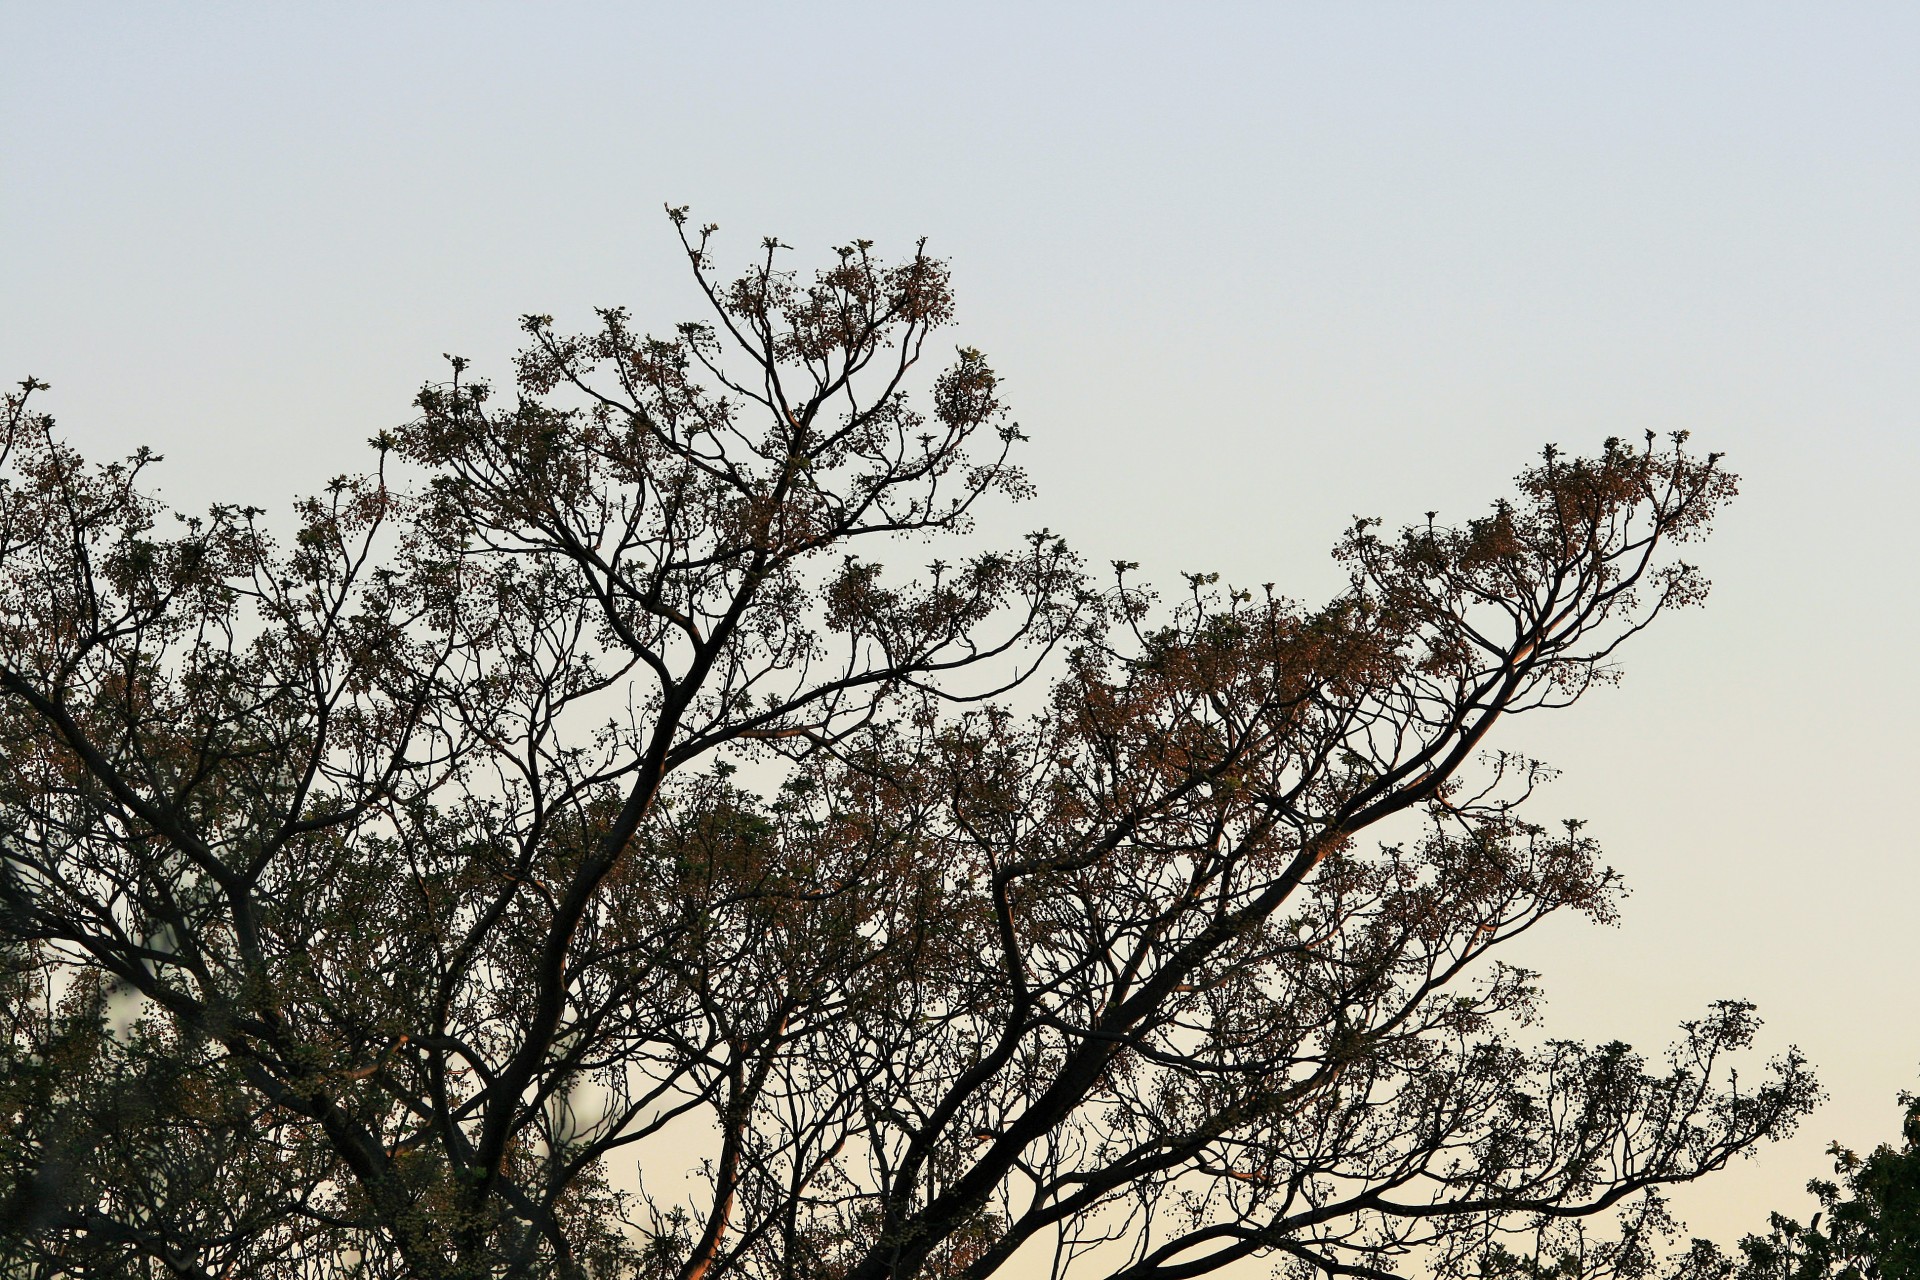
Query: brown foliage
column 576, row 789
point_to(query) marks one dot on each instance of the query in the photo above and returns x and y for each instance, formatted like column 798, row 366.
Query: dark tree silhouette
column 569, row 851
column 1867, row 1226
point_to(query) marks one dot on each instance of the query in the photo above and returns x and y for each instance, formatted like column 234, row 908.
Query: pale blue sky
column 1248, row 270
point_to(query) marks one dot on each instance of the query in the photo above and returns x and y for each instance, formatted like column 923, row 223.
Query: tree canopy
column 1867, row 1226
column 570, row 849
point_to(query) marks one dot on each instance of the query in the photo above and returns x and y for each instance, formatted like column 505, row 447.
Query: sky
column 1247, row 271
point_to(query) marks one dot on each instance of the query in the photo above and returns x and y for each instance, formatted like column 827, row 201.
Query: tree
column 1872, row 1227
column 122, row 1147
column 575, row 800
column 1871, row 1232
